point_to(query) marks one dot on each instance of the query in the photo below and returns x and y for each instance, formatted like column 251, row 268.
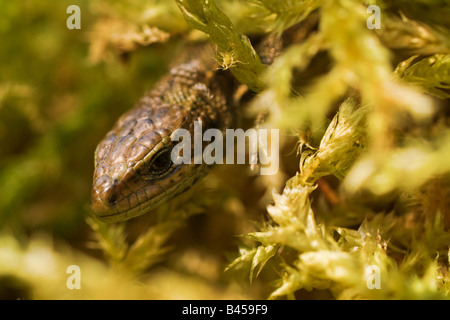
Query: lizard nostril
column 108, row 195
column 111, row 193
column 113, row 199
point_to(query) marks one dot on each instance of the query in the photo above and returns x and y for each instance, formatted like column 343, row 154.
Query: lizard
column 134, row 173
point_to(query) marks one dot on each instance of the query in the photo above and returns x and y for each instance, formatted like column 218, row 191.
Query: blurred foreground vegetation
column 365, row 157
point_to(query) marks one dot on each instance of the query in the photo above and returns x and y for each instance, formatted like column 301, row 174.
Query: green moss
column 367, row 111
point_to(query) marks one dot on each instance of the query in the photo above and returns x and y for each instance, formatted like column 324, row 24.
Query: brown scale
column 133, row 169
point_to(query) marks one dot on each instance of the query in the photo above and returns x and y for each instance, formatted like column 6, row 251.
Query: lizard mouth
column 110, row 214
column 110, row 206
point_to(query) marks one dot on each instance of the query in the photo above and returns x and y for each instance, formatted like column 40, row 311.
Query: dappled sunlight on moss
column 364, row 179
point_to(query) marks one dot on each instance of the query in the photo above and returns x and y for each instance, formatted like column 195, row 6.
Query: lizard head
column 134, row 172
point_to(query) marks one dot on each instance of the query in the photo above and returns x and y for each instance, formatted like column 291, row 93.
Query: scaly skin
column 133, row 171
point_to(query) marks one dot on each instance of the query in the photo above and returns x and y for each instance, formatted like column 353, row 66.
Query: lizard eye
column 159, row 165
column 162, row 161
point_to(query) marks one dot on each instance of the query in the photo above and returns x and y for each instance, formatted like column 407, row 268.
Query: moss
column 366, row 195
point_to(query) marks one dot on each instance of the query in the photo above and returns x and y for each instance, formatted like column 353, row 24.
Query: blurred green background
column 61, row 90
column 56, row 105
